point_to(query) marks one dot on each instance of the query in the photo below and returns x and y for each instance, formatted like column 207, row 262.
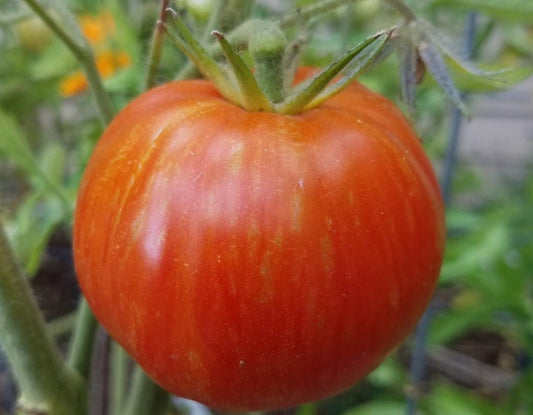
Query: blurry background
column 479, row 342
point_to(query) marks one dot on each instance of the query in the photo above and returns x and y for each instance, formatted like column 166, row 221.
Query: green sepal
column 315, row 91
column 252, row 98
column 178, row 32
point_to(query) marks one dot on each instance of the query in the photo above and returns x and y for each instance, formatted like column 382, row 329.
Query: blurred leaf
column 461, row 219
column 52, row 160
column 408, row 58
column 307, row 409
column 518, row 38
column 378, row 408
column 52, row 62
column 452, row 324
column 30, row 229
column 487, row 246
column 515, row 10
column 468, row 82
column 126, row 81
column 446, row 399
column 13, row 144
column 389, row 373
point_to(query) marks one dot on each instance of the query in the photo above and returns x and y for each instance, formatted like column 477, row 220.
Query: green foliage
column 514, row 10
column 46, row 204
column 447, row 399
column 378, row 408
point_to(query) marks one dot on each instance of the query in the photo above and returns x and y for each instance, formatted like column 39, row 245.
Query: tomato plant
column 254, row 260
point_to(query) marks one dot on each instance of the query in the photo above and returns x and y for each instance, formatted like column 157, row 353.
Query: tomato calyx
column 266, row 87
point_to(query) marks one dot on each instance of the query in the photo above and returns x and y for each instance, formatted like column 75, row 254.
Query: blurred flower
column 98, row 28
column 107, row 63
column 73, row 84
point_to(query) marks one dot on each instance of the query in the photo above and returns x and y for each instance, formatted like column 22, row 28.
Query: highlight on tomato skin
column 254, row 261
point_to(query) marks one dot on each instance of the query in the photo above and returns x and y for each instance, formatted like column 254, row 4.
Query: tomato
column 252, row 260
column 33, row 34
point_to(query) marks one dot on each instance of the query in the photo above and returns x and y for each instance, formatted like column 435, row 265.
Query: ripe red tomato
column 254, row 260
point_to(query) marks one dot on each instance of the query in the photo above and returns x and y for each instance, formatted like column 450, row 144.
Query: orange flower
column 73, row 84
column 107, row 64
column 97, row 28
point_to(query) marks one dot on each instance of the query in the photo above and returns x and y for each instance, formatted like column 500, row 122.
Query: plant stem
column 156, row 47
column 62, row 325
column 309, row 12
column 267, row 46
column 145, row 397
column 119, row 372
column 46, row 383
column 76, row 43
column 82, row 341
column 239, row 36
column 403, row 9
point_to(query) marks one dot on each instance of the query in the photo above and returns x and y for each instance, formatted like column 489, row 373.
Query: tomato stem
column 119, row 372
column 45, row 382
column 145, row 397
column 267, row 46
column 81, row 346
column 156, row 47
column 239, row 35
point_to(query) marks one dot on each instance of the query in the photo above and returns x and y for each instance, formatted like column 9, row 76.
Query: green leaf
column 407, row 56
column 452, row 324
column 378, row 408
column 307, row 409
column 462, row 219
column 435, row 64
column 14, row 145
column 388, row 374
column 52, row 160
column 447, row 399
column 471, row 259
column 30, row 229
column 515, row 10
column 468, row 82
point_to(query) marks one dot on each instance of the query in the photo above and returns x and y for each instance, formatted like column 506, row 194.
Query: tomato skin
column 253, row 261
